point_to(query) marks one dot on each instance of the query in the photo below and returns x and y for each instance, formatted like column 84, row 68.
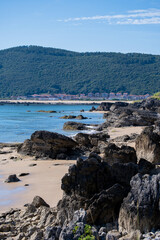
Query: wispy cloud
column 137, row 17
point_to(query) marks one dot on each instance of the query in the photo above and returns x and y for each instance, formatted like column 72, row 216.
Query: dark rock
column 145, row 167
column 104, row 106
column 32, row 165
column 75, row 228
column 89, row 184
column 47, row 144
column 12, row 178
column 104, row 207
column 82, row 139
column 73, row 117
column 74, row 126
column 117, row 105
column 123, row 172
column 46, row 111
column 92, row 109
column 140, row 209
column 114, row 154
column 81, row 117
column 148, row 146
column 68, row 117
column 125, row 138
column 123, row 114
column 62, row 156
column 38, row 202
column 23, row 174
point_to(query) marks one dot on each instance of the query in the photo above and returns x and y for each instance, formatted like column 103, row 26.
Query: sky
column 82, row 25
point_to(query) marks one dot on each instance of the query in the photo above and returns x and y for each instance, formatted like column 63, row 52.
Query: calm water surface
column 18, row 122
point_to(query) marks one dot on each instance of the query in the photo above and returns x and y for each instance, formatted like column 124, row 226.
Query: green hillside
column 28, row 70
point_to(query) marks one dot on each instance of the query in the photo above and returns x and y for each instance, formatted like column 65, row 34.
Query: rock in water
column 74, row 126
column 148, row 146
column 47, row 144
column 12, row 178
column 140, row 209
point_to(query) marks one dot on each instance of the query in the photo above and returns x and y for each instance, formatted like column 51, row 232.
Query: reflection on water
column 7, row 194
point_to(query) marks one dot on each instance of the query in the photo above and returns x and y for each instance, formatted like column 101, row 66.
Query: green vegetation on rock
column 31, row 69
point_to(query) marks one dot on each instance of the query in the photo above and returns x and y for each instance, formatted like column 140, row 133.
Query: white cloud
column 140, row 16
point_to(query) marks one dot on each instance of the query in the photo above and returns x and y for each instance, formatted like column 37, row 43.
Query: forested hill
column 28, row 70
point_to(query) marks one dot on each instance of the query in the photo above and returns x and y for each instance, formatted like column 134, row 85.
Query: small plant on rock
column 87, row 233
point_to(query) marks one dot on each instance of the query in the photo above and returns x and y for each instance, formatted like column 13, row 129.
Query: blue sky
column 82, row 25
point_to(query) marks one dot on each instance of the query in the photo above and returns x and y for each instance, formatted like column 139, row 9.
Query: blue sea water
column 18, row 122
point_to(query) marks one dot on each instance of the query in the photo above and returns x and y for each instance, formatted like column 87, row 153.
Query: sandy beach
column 44, row 179
column 54, row 102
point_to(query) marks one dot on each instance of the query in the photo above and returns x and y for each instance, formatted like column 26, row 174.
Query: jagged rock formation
column 114, row 154
column 123, row 114
column 91, row 182
column 148, row 145
column 74, row 126
column 90, row 141
column 48, row 144
column 140, row 209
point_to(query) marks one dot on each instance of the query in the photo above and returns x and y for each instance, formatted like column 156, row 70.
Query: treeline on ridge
column 31, row 69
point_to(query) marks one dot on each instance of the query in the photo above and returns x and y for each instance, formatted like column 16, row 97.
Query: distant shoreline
column 59, row 102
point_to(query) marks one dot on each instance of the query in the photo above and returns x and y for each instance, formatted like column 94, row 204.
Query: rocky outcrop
column 125, row 138
column 80, row 117
column 34, row 223
column 122, row 114
column 91, row 140
column 148, row 145
column 114, row 154
column 140, row 209
column 38, row 202
column 104, row 106
column 50, row 111
column 96, row 187
column 47, row 144
column 74, row 126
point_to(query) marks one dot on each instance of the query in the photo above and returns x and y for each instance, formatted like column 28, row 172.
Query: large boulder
column 96, row 187
column 148, row 145
column 104, row 106
column 74, row 126
column 90, row 140
column 114, row 154
column 47, row 144
column 117, row 105
column 141, row 208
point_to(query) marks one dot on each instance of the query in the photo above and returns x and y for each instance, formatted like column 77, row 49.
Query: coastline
column 44, row 179
column 60, row 102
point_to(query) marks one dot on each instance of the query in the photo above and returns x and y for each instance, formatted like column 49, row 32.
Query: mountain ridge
column 26, row 70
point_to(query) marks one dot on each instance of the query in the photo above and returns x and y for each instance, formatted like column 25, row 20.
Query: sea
column 19, row 121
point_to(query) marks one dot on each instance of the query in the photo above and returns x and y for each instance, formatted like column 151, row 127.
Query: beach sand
column 44, row 179
column 61, row 101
